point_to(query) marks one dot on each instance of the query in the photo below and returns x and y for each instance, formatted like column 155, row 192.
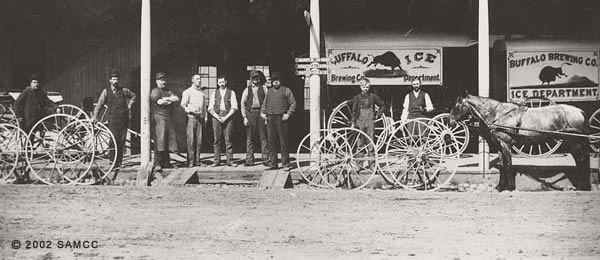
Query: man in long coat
column 33, row 104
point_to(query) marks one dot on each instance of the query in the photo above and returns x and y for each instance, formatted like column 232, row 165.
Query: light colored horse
column 503, row 124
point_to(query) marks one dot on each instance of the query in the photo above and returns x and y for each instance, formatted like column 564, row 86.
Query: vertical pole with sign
column 313, row 21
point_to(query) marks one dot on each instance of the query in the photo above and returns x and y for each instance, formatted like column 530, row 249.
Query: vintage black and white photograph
column 299, row 129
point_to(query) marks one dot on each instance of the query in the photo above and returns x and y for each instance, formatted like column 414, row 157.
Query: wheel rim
column 348, row 163
column 416, row 157
column 105, row 154
column 460, row 132
column 12, row 144
column 341, row 117
column 309, row 158
column 595, row 129
column 56, row 150
column 74, row 111
column 541, row 149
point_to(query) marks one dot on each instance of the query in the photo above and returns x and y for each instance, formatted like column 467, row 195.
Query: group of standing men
column 265, row 111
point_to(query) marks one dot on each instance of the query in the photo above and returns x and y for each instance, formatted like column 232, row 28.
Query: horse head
column 460, row 111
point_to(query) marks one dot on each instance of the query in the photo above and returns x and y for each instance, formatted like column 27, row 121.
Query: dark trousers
column 221, row 130
column 366, row 123
column 120, row 133
column 194, row 129
column 256, row 124
column 165, row 140
column 277, row 130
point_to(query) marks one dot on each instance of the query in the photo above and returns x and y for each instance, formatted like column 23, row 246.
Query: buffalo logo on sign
column 384, row 67
column 557, row 75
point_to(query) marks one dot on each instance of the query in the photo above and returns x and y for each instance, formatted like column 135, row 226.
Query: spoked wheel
column 7, row 115
column 104, row 157
column 57, row 150
column 595, row 130
column 418, row 158
column 349, row 160
column 310, row 158
column 341, row 117
column 12, row 159
column 72, row 110
column 460, row 132
column 542, row 149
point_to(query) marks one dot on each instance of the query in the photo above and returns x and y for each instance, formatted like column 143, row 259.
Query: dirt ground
column 231, row 222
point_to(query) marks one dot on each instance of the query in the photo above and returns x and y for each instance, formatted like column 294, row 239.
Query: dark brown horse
column 502, row 125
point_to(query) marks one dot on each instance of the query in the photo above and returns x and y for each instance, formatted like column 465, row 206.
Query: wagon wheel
column 8, row 116
column 72, row 110
column 346, row 161
column 542, row 149
column 12, row 145
column 417, row 157
column 104, row 157
column 56, row 149
column 309, row 158
column 341, row 117
column 595, row 129
column 460, row 132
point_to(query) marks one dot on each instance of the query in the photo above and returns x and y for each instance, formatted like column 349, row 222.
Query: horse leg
column 507, row 175
column 579, row 150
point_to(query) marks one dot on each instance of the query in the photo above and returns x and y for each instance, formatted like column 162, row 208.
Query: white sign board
column 385, row 67
column 557, row 75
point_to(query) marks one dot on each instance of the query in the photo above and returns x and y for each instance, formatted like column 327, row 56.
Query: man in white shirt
column 252, row 99
column 416, row 102
column 192, row 102
column 221, row 105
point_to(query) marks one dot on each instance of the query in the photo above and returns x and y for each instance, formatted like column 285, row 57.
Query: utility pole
column 315, row 79
column 483, row 77
column 145, row 71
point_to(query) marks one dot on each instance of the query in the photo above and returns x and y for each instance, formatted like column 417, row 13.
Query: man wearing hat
column 119, row 101
column 278, row 106
column 162, row 100
column 33, row 104
column 251, row 101
column 221, row 105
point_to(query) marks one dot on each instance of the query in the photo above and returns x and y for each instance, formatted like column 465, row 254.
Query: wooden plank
column 144, row 174
column 178, row 177
column 276, row 179
column 228, row 182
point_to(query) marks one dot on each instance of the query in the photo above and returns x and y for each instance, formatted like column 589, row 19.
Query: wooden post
column 145, row 70
column 483, row 74
column 315, row 80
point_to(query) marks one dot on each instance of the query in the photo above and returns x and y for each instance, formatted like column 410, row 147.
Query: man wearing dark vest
column 221, row 105
column 252, row 99
column 364, row 112
column 416, row 102
column 119, row 101
column 278, row 106
column 162, row 100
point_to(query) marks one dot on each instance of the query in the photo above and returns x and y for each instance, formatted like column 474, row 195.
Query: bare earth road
column 248, row 223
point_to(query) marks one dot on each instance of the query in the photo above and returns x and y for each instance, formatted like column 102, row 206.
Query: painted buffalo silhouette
column 549, row 73
column 388, row 59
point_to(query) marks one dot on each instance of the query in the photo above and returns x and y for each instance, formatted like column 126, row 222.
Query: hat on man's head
column 161, row 75
column 256, row 74
column 34, row 77
column 114, row 73
column 275, row 76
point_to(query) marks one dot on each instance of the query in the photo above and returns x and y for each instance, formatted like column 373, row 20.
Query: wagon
column 63, row 148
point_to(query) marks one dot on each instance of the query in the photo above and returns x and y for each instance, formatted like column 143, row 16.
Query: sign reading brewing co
column 556, row 75
column 384, row 67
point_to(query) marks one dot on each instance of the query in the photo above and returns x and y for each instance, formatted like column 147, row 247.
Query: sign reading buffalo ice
column 557, row 75
column 384, row 67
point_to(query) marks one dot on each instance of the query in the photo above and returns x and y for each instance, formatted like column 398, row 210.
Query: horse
column 503, row 124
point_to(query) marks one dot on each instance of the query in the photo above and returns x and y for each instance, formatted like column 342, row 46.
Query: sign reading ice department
column 384, row 67
column 556, row 75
